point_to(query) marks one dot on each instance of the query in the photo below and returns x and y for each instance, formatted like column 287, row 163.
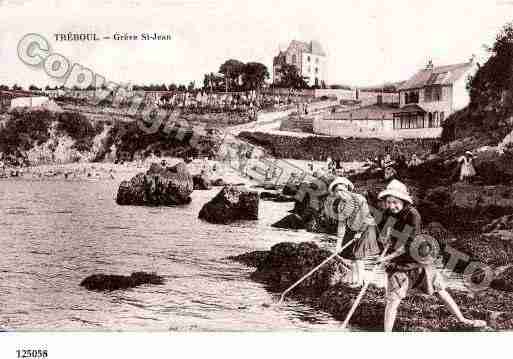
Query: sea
column 56, row 232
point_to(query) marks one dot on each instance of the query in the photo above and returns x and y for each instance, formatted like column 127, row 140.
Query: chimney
column 429, row 66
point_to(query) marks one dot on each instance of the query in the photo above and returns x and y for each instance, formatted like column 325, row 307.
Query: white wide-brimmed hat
column 469, row 153
column 396, row 189
column 341, row 180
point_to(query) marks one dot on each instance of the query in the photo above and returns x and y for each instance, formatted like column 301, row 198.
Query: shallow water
column 54, row 233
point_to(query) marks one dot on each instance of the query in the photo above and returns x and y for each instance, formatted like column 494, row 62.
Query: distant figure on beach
column 389, row 172
column 467, row 170
column 311, row 166
column 328, row 164
column 414, row 161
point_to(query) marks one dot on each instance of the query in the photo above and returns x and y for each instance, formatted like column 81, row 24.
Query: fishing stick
column 366, row 285
column 315, row 269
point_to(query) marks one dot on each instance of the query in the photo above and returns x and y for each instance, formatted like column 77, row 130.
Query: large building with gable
column 308, row 57
column 432, row 94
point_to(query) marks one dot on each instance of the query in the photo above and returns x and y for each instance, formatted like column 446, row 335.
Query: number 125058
column 32, row 353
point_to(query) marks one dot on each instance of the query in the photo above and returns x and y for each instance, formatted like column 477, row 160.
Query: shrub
column 79, row 128
column 24, row 129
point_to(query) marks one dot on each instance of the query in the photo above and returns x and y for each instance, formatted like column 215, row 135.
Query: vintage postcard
column 263, row 166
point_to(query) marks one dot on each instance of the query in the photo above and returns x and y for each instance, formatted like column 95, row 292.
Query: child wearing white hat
column 354, row 220
column 401, row 221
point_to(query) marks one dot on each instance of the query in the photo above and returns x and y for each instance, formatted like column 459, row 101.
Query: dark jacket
column 405, row 226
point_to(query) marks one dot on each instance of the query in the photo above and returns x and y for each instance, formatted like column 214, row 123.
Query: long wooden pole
column 315, row 269
column 362, row 292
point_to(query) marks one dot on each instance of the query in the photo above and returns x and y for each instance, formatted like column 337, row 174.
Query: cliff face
column 41, row 136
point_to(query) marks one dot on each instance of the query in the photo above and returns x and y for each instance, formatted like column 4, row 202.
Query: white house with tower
column 308, row 57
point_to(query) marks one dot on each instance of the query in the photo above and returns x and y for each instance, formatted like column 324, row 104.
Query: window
column 308, row 58
column 432, row 94
column 412, row 97
column 294, row 59
column 316, row 70
column 442, row 117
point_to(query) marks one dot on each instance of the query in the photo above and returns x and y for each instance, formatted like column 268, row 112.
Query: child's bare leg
column 391, row 307
column 354, row 272
column 451, row 305
column 360, row 271
column 454, row 309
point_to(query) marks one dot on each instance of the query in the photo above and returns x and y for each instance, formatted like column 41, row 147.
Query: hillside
column 39, row 136
column 489, row 116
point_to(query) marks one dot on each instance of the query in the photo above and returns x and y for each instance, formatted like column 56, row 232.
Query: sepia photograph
column 239, row 167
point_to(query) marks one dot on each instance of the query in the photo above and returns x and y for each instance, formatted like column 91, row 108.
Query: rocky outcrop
column 232, row 203
column 219, row 182
column 201, row 182
column 292, row 221
column 275, row 197
column 288, row 262
column 251, row 259
column 417, row 313
column 160, row 186
column 103, row 282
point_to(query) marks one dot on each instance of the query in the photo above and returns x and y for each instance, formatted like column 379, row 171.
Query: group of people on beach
column 389, row 231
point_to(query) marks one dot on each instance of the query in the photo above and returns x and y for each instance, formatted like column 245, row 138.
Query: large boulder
column 288, row 262
column 160, row 186
column 102, row 282
column 230, row 204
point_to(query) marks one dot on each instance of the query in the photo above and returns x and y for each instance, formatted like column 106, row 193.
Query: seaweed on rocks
column 232, row 203
column 326, row 290
column 158, row 186
column 109, row 282
column 287, row 262
column 251, row 259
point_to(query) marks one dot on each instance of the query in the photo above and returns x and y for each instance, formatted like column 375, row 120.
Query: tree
column 290, row 77
column 172, row 87
column 191, row 86
column 4, row 87
column 232, row 69
column 34, row 88
column 495, row 77
column 16, row 87
column 254, row 75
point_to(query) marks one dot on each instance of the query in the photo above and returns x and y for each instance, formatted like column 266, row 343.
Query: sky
column 367, row 42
